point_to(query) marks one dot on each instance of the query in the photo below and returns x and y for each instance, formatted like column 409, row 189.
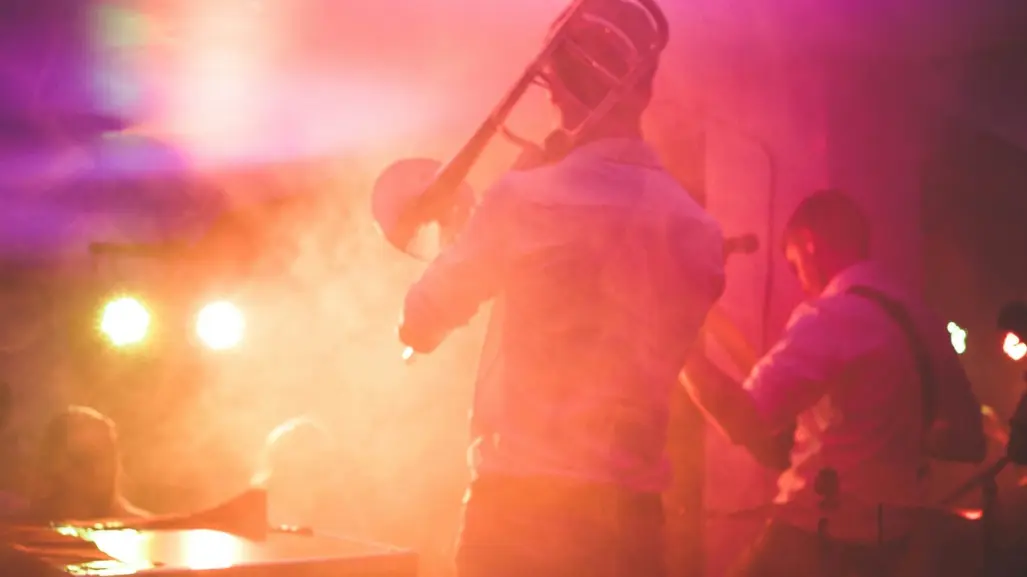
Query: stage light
column 957, row 335
column 125, row 321
column 220, row 325
column 1014, row 347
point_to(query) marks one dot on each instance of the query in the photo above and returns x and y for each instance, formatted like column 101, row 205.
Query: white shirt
column 604, row 269
column 846, row 369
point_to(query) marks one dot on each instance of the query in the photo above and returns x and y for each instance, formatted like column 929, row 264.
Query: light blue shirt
column 845, row 370
column 603, row 269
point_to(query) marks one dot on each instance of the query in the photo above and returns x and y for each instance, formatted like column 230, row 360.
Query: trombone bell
column 397, row 189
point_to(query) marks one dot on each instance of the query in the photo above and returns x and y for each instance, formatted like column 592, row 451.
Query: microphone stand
column 1016, row 452
column 826, row 485
column 989, row 502
column 987, row 480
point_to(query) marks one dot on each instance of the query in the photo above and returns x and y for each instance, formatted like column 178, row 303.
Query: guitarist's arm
column 729, row 337
column 789, row 379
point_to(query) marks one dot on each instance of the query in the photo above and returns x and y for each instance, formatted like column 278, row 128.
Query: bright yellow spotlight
column 125, row 321
column 220, row 325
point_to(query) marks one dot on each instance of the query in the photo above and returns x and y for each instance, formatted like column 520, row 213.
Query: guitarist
column 868, row 382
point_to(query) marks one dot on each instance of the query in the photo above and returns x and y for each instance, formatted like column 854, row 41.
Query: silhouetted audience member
column 295, row 469
column 79, row 470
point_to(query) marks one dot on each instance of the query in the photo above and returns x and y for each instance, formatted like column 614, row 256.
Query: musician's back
column 612, row 269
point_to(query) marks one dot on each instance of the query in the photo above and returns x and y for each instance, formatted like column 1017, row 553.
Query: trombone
column 413, row 193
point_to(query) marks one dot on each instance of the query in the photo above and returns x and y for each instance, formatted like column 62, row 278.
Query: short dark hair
column 610, row 51
column 834, row 219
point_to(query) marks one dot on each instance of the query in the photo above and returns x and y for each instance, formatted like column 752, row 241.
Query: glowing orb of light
column 125, row 321
column 220, row 325
column 1014, row 347
column 957, row 335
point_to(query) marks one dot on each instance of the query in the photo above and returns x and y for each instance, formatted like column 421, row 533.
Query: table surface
column 77, row 551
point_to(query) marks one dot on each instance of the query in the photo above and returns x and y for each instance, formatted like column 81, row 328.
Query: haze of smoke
column 331, row 352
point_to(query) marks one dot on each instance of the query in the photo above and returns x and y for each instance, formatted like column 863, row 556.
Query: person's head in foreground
column 79, row 470
column 827, row 233
column 294, row 470
column 613, row 34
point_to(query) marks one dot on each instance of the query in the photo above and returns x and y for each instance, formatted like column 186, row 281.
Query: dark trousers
column 785, row 551
column 514, row 527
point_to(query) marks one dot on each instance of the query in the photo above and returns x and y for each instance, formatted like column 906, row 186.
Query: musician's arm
column 792, row 377
column 733, row 342
column 466, row 274
column 731, row 409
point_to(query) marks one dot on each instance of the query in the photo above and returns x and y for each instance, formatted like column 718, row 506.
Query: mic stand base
column 989, row 502
column 826, row 486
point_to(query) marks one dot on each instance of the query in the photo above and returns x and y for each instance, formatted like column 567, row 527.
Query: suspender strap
column 900, row 316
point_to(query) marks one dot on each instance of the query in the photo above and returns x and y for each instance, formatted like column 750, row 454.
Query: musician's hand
column 532, row 156
column 452, row 222
column 420, row 341
column 406, row 227
column 994, row 428
column 730, row 339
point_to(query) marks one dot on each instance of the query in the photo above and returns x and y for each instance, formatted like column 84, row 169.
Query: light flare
column 957, row 335
column 220, row 325
column 125, row 321
column 1014, row 347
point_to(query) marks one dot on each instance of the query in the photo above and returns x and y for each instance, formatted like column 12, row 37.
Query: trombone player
column 602, row 269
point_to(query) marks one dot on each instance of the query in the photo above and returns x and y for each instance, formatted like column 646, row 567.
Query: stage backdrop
column 789, row 96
